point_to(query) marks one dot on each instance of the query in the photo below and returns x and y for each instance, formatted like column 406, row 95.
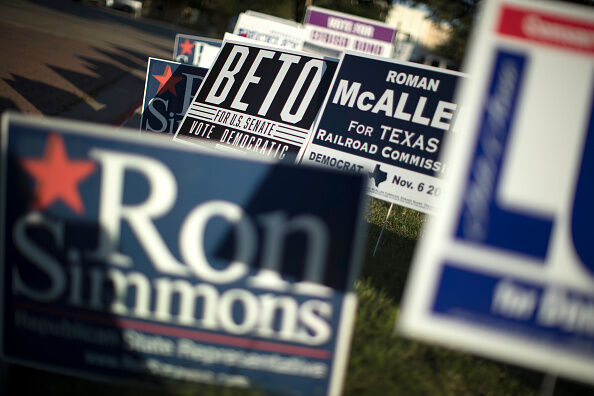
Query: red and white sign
column 546, row 28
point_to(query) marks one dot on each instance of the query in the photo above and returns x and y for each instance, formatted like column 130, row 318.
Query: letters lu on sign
column 389, row 127
column 509, row 258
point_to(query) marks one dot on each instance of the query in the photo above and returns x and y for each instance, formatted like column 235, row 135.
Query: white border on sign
column 148, row 67
column 3, row 164
column 349, row 16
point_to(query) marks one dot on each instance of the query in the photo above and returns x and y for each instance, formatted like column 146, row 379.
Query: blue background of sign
column 475, row 306
column 258, row 188
column 169, row 107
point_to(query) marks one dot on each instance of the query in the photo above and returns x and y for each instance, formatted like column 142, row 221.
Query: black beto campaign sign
column 258, row 99
column 127, row 258
column 388, row 123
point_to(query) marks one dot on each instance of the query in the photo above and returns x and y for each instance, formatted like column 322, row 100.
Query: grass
column 381, row 362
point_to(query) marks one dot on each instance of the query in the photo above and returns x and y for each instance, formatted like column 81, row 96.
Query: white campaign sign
column 338, row 31
column 506, row 269
column 270, row 30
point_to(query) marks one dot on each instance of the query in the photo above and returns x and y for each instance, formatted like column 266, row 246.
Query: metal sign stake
column 382, row 231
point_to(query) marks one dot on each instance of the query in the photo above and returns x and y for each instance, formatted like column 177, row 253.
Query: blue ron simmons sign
column 135, row 260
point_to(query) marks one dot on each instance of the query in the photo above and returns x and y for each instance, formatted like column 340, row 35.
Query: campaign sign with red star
column 169, row 90
column 129, row 258
column 196, row 50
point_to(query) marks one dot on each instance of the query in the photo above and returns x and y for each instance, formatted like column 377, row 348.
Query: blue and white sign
column 389, row 126
column 168, row 91
column 132, row 259
column 196, row 50
column 270, row 30
column 506, row 268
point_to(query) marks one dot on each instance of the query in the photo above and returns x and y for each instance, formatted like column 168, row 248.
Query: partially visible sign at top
column 258, row 99
column 390, row 126
column 340, row 32
column 196, row 50
column 270, row 30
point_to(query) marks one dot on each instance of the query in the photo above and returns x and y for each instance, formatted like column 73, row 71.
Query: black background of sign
column 267, row 71
column 336, row 118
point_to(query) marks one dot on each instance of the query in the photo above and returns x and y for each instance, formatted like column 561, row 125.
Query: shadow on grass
column 387, row 270
column 385, row 363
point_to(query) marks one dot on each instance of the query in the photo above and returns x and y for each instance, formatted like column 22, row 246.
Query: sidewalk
column 120, row 104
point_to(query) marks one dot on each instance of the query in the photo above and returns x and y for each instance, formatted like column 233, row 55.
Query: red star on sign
column 166, row 81
column 57, row 177
column 186, row 47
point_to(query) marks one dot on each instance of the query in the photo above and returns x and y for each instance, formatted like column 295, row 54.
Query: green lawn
column 381, row 363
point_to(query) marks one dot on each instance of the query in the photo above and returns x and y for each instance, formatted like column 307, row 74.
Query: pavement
column 72, row 60
column 122, row 102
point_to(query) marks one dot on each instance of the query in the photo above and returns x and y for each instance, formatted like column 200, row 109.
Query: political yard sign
column 389, row 126
column 129, row 259
column 506, row 268
column 340, row 32
column 169, row 88
column 270, row 30
column 258, row 100
column 195, row 50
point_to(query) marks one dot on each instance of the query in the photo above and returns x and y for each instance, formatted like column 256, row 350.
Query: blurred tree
column 460, row 16
column 365, row 8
